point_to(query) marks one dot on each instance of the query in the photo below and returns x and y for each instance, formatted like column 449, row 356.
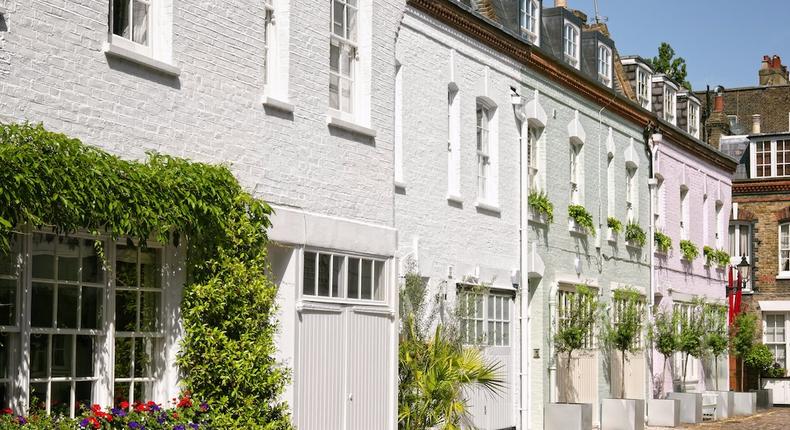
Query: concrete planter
column 622, row 414
column 663, row 412
column 765, row 398
column 725, row 404
column 568, row 416
column 690, row 406
column 745, row 403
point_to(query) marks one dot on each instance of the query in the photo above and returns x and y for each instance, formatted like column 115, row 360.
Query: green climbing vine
column 51, row 181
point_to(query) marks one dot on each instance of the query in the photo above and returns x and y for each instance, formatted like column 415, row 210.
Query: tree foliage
column 759, row 358
column 668, row 64
column 577, row 321
column 629, row 312
column 716, row 339
column 49, row 180
column 744, row 335
column 690, row 340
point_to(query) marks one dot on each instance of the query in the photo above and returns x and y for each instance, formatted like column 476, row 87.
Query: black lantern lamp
column 743, row 269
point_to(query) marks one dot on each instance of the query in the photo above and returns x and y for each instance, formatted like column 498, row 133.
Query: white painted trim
column 488, row 206
column 774, row 305
column 455, row 198
column 115, row 50
column 272, row 102
column 335, row 121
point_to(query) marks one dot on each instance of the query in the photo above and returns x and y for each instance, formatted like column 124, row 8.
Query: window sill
column 783, row 276
column 488, row 207
column 334, row 121
column 399, row 184
column 278, row 104
column 143, row 60
column 454, row 198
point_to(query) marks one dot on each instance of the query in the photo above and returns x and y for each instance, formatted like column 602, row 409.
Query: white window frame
column 643, row 86
column 368, row 294
column 268, row 39
column 398, row 126
column 632, row 193
column 784, row 250
column 576, row 166
column 146, row 48
column 611, row 186
column 530, row 20
column 566, row 299
column 773, row 150
column 775, row 324
column 157, row 52
column 693, row 119
column 670, row 104
column 348, row 48
column 533, row 146
column 453, row 143
column 781, row 158
column 570, row 42
column 719, row 236
column 735, row 240
column 486, row 137
column 605, row 64
column 684, row 213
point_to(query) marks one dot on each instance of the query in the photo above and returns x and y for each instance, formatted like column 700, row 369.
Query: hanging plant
column 722, row 258
column 634, row 234
column 708, row 254
column 614, row 224
column 540, row 203
column 689, row 250
column 583, row 218
column 663, row 242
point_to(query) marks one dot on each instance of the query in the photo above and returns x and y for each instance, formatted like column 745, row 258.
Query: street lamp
column 743, row 269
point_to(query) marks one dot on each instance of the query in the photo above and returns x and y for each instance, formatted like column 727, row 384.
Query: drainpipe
column 650, row 130
column 552, row 357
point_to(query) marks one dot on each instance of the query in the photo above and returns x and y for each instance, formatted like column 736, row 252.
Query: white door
column 369, row 372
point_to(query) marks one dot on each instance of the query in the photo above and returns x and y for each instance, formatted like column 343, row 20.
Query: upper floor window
column 784, row 249
column 774, row 337
column 131, row 20
column 571, row 44
column 533, row 136
column 605, row 64
column 643, row 87
column 268, row 29
column 670, row 104
column 484, row 318
column 783, row 158
column 762, row 151
column 343, row 276
column 484, row 118
column 631, row 193
column 719, row 224
column 693, row 119
column 740, row 240
column 453, row 142
column 530, row 11
column 733, row 121
column 771, row 158
column 576, row 174
column 684, row 213
column 658, row 203
column 342, row 54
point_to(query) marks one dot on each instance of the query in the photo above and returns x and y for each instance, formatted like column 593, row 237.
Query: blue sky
column 723, row 41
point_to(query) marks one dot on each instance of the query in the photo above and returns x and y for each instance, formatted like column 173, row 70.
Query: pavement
column 764, row 419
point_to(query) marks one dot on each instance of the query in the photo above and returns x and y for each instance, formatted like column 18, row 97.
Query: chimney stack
column 756, row 124
column 561, row 3
column 772, row 72
column 766, row 64
column 718, row 103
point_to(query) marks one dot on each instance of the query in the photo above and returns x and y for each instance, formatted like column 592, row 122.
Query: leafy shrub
column 634, row 234
column 540, row 203
column 759, row 358
column 614, row 224
column 628, row 309
column 689, row 250
column 719, row 257
column 663, row 242
column 583, row 218
column 578, row 322
column 664, row 336
column 744, row 335
column 775, row 371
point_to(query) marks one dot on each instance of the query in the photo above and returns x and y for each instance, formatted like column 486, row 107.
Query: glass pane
column 120, row 18
column 150, row 268
column 337, row 279
column 140, row 23
column 60, row 399
column 323, row 274
column 68, row 251
column 479, row 327
column 380, row 281
column 351, row 23
column 334, row 92
column 780, row 328
column 144, row 354
column 5, row 395
column 491, row 330
column 91, row 308
column 121, row 393
column 150, row 311
column 143, row 391
column 5, row 351
column 7, row 302
column 68, row 297
column 334, row 58
column 308, row 274
column 506, row 334
column 744, row 241
column 125, row 310
column 505, row 309
column 123, row 357
column 92, row 267
column 39, row 349
column 491, row 307
column 353, row 278
column 499, row 333
column 38, row 395
column 463, row 331
column 8, row 260
column 43, row 256
column 83, row 394
column 337, row 18
column 43, row 295
column 345, row 95
column 478, row 306
column 125, row 266
column 367, row 268
column 62, row 349
column 85, row 357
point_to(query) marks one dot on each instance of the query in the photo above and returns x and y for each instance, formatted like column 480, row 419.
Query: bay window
column 484, row 317
column 571, row 44
column 342, row 54
column 345, row 277
column 605, row 64
column 784, row 250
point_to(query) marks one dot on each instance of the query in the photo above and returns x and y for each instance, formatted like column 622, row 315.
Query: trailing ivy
column 51, row 181
column 615, row 224
column 689, row 250
column 540, row 203
column 583, row 218
column 663, row 242
column 634, row 234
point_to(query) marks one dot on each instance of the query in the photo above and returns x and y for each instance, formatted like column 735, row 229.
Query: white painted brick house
column 297, row 99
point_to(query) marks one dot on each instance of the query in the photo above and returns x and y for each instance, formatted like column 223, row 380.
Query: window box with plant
column 718, row 257
column 541, row 209
column 689, row 250
column 580, row 220
column 615, row 227
column 663, row 242
column 634, row 235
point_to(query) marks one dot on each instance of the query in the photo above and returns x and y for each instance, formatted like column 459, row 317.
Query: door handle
column 350, row 397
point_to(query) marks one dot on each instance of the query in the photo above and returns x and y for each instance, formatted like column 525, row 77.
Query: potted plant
column 760, row 359
column 721, row 257
column 541, row 207
column 580, row 220
column 708, row 254
column 690, row 344
column 689, row 250
column 663, row 242
column 634, row 235
column 573, row 330
column 717, row 343
column 615, row 227
column 663, row 333
column 628, row 310
column 743, row 339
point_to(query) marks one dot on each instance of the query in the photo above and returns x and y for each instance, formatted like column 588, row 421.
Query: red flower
column 185, row 402
column 139, row 407
column 96, row 408
column 7, row 411
column 124, row 405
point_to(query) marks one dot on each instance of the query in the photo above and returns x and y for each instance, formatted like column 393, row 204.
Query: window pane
column 84, row 364
column 150, row 311
column 91, row 308
column 68, row 297
column 140, row 23
column 491, row 331
column 121, row 392
column 308, row 278
column 367, row 275
column 43, row 295
column 353, row 278
column 506, row 309
column 123, row 357
column 779, row 327
column 323, row 275
column 60, row 399
column 143, row 357
column 499, row 333
column 381, row 281
column 337, row 279
column 491, row 307
column 126, row 266
column 83, row 395
column 506, row 334
column 7, row 302
column 5, row 351
column 334, row 92
column 68, row 259
column 351, row 23
column 337, row 18
column 480, row 335
column 39, row 350
column 5, row 395
column 92, row 268
column 43, row 264
column 8, row 260
column 143, row 391
column 150, row 268
column 62, row 349
column 125, row 311
column 38, row 395
column 120, row 18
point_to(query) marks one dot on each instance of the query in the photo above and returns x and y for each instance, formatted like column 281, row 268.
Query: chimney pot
column 756, row 124
column 561, row 3
column 776, row 63
column 718, row 103
column 766, row 63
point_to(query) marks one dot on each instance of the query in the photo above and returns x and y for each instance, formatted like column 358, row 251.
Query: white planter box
column 725, row 404
column 690, row 406
column 765, row 398
column 663, row 412
column 575, row 228
column 622, row 414
column 745, row 403
column 568, row 416
column 536, row 217
column 780, row 389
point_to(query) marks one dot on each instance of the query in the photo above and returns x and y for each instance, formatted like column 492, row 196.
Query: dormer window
column 571, row 43
column 643, row 87
column 530, row 11
column 670, row 104
column 605, row 64
column 693, row 119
